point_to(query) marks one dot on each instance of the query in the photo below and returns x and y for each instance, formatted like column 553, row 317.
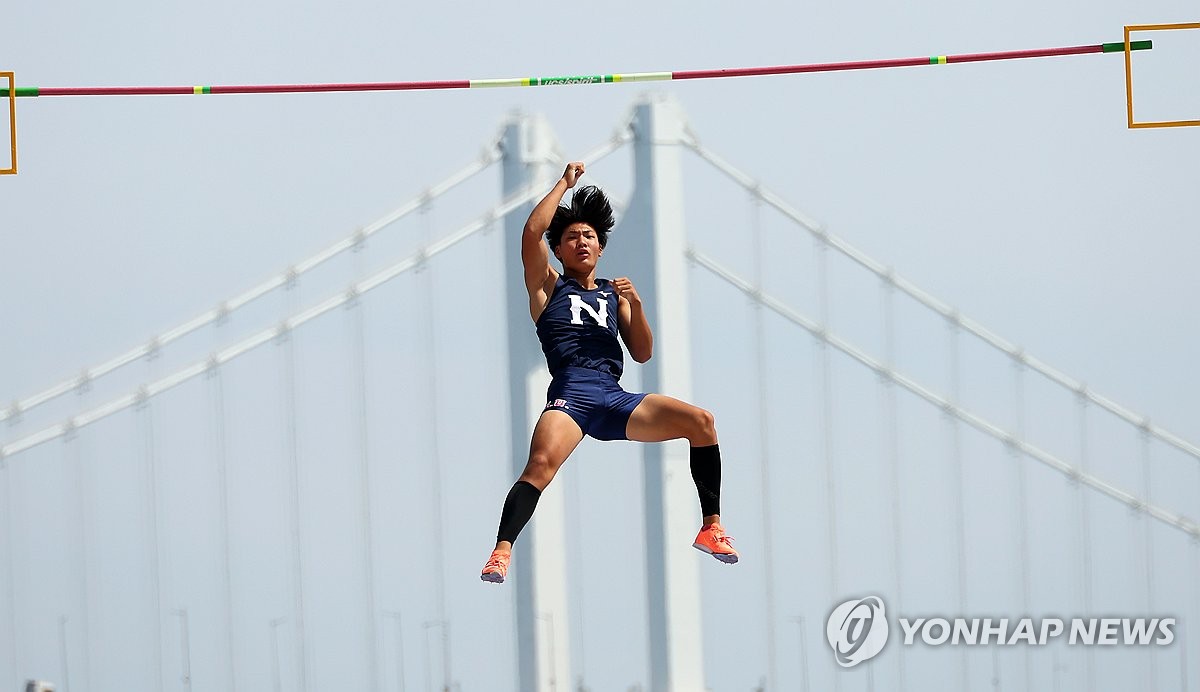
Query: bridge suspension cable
column 823, row 334
column 945, row 310
column 490, row 155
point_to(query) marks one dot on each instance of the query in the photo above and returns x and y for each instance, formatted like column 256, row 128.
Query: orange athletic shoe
column 712, row 540
column 496, row 567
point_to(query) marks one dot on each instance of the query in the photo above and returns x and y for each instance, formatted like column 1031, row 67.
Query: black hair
column 588, row 205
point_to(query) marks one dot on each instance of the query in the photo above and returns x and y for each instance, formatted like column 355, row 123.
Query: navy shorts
column 594, row 400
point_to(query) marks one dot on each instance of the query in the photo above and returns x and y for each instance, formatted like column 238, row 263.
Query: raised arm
column 539, row 275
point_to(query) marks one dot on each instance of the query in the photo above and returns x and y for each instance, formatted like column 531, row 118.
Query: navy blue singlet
column 578, row 328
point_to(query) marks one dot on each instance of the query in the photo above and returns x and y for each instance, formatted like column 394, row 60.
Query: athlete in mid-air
column 578, row 318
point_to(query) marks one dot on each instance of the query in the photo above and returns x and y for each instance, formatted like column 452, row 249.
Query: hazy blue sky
column 1012, row 191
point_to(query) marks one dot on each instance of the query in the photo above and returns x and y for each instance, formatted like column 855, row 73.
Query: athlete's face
column 579, row 248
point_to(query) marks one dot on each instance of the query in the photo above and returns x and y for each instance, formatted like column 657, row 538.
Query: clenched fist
column 572, row 174
column 624, row 288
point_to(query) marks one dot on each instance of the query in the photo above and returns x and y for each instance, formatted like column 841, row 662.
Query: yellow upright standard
column 12, row 122
column 1129, row 74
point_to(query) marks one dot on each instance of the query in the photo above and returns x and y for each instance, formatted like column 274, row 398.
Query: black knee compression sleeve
column 706, row 472
column 518, row 508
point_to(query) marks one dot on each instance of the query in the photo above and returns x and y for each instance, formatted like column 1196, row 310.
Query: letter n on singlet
column 578, row 306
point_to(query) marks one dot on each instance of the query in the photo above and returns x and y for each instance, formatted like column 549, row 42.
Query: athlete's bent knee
column 539, row 470
column 704, row 428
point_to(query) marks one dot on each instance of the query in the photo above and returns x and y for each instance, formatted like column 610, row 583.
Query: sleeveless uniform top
column 578, row 328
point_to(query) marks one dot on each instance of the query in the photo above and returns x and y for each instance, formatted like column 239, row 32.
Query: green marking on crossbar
column 1119, row 47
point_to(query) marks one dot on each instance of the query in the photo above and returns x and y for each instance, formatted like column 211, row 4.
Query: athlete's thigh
column 555, row 436
column 659, row 418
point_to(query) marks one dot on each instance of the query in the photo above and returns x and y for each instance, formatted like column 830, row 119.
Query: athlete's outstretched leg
column 659, row 418
column 554, row 438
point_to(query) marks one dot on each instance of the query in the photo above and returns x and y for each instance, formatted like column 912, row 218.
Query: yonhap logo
column 857, row 630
